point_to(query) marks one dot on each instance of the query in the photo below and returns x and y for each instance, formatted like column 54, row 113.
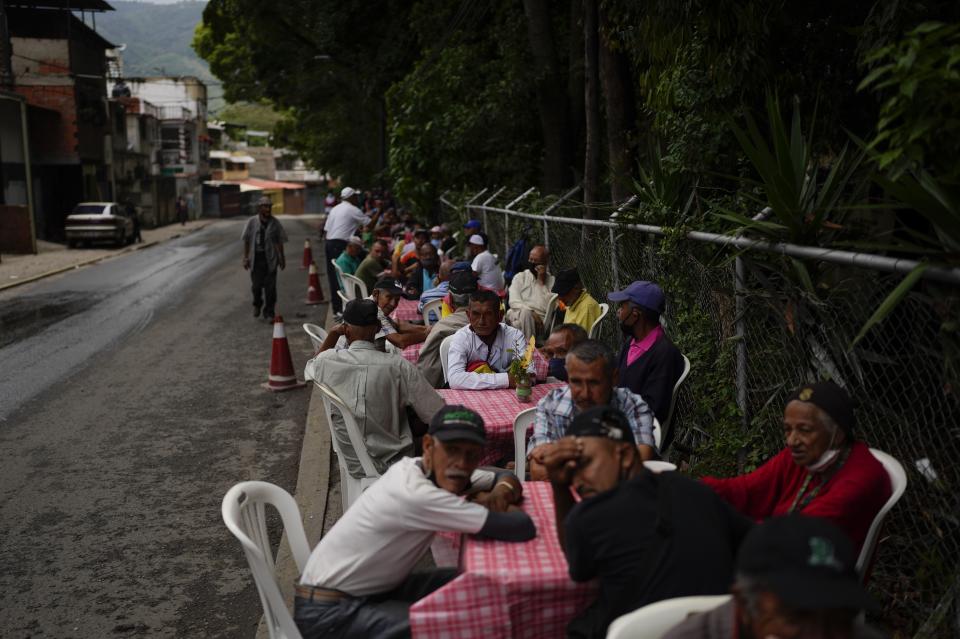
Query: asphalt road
column 130, row 401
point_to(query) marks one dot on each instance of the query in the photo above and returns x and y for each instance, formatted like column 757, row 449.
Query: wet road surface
column 129, row 404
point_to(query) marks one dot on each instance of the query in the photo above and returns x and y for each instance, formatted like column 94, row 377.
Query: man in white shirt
column 484, row 264
column 486, row 340
column 342, row 224
column 358, row 582
column 530, row 293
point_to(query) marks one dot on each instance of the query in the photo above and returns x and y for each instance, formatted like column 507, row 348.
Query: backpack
column 517, row 256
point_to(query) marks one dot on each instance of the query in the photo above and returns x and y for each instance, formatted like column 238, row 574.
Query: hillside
column 158, row 40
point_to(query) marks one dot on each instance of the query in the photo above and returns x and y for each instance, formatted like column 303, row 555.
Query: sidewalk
column 53, row 258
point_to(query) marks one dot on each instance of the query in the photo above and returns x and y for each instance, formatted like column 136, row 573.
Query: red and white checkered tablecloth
column 507, row 590
column 406, row 310
column 498, row 408
column 412, row 353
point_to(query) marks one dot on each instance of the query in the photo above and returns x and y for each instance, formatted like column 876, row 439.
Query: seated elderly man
column 386, row 293
column 644, row 536
column 481, row 352
column 578, row 306
column 424, row 276
column 374, row 265
column 530, row 294
column 441, row 290
column 649, row 363
column 462, row 285
column 590, row 382
column 796, row 578
column 822, row 472
column 349, row 261
column 358, row 582
column 360, row 373
column 562, row 339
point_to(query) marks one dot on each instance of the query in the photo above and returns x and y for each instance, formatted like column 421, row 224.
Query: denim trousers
column 385, row 616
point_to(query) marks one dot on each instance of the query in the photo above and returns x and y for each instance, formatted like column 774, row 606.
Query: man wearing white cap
column 484, row 263
column 263, row 238
column 341, row 225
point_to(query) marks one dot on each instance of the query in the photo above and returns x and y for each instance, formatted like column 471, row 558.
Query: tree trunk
column 575, row 84
column 551, row 98
column 620, row 112
column 591, row 105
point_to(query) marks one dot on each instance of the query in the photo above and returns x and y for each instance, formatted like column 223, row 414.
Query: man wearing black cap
column 822, row 472
column 649, row 363
column 645, row 536
column 377, row 388
column 358, row 582
column 795, row 579
column 386, row 293
column 462, row 285
column 263, row 238
column 577, row 305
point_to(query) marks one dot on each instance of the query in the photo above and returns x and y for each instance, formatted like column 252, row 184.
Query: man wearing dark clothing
column 645, row 536
column 263, row 236
column 649, row 363
column 131, row 211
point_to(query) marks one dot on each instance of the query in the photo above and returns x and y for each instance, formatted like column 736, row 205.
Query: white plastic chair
column 352, row 284
column 595, row 327
column 244, row 512
column 339, row 271
column 658, row 466
column 654, row 620
column 673, row 395
column 316, row 335
column 343, row 298
column 350, row 487
column 444, row 352
column 657, row 432
column 521, row 423
column 898, row 484
column 550, row 314
column 433, row 305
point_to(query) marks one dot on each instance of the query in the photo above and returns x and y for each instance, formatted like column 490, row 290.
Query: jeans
column 264, row 280
column 384, row 616
column 333, row 249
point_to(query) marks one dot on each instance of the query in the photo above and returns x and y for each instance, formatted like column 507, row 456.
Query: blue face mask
column 436, row 243
column 557, row 367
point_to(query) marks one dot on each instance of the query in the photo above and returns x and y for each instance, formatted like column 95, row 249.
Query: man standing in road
column 181, row 206
column 264, row 237
column 341, row 225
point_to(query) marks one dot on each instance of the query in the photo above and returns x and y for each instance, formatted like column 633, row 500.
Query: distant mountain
column 157, row 39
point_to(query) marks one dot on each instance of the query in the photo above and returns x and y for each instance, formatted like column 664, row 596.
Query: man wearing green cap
column 644, row 536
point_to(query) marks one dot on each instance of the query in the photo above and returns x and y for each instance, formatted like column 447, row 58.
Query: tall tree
column 619, row 102
column 591, row 103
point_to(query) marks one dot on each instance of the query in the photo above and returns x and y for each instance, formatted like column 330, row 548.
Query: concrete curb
column 94, row 260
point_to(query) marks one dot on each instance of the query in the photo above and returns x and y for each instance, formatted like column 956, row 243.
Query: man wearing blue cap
column 649, row 363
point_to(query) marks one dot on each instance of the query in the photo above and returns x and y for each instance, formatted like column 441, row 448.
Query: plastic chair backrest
column 352, row 284
column 654, row 620
column 550, row 314
column 339, row 271
column 343, row 298
column 433, row 305
column 521, row 423
column 316, row 335
column 244, row 512
column 356, row 442
column 444, row 352
column 673, row 395
column 898, row 484
column 595, row 328
column 657, row 432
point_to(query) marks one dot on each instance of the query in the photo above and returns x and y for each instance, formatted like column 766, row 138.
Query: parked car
column 98, row 222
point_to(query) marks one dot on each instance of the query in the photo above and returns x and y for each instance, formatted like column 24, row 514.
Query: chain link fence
column 752, row 343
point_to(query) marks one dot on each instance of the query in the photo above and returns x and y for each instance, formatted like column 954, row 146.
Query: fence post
column 486, row 229
column 506, row 220
column 553, row 207
column 614, row 267
column 739, row 284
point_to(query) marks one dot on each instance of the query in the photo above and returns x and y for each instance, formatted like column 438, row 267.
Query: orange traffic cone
column 281, row 376
column 314, row 292
column 307, row 255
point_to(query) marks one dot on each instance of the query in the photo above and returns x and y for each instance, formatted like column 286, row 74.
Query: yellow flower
column 528, row 355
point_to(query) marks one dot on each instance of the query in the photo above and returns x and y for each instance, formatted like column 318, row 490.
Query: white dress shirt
column 343, row 220
column 466, row 346
column 489, row 273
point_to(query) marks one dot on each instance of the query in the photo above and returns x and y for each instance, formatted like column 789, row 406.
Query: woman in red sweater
column 822, row 472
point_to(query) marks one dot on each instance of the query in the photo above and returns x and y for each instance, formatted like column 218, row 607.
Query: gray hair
column 590, row 351
column 459, row 300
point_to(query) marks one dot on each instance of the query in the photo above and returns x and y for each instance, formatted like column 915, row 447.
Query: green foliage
column 260, row 116
column 918, row 79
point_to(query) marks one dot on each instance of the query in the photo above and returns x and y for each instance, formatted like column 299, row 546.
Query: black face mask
column 557, row 367
column 428, row 264
column 627, row 329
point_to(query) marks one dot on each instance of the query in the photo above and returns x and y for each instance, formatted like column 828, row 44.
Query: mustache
column 453, row 473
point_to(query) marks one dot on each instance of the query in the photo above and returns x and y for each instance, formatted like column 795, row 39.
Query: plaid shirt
column 557, row 410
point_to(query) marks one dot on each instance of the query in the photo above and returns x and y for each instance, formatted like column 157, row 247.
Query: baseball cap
column 361, row 313
column 565, row 280
column 457, row 422
column 472, row 224
column 264, row 200
column 476, row 239
column 355, row 240
column 461, row 266
column 831, row 399
column 389, row 285
column 806, row 561
column 347, row 192
column 463, row 282
column 421, row 232
column 645, row 294
column 602, row 421
column 436, row 229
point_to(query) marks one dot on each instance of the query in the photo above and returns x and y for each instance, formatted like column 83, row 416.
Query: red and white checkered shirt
column 406, row 310
column 507, row 589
